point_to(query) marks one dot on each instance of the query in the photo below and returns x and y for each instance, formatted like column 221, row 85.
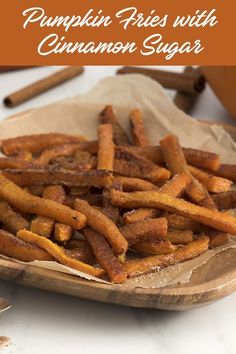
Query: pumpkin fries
column 116, row 207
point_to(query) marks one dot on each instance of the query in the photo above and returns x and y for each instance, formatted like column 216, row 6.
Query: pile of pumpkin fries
column 90, row 204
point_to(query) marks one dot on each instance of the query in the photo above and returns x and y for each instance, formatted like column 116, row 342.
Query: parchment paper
column 79, row 115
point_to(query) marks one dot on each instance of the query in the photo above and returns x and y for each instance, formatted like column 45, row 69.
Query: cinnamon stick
column 4, row 69
column 42, row 85
column 183, row 100
column 184, row 82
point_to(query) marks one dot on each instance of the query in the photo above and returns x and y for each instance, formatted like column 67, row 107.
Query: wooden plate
column 210, row 282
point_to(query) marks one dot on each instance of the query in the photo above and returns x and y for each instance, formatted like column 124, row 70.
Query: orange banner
column 167, row 32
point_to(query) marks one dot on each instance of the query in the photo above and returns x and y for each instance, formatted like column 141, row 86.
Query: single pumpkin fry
column 180, row 237
column 100, row 223
column 129, row 184
column 175, row 187
column 154, row 199
column 140, row 214
column 42, row 226
column 176, row 162
column 227, row 171
column 145, row 230
column 139, row 135
column 155, row 247
column 131, row 165
column 45, row 176
column 181, row 223
column 36, row 143
column 106, row 149
column 62, row 232
column 213, row 184
column 28, row 203
column 150, row 264
column 198, row 158
column 105, row 256
column 225, row 200
column 58, row 253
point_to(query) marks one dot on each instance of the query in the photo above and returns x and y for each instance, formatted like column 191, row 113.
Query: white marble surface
column 42, row 322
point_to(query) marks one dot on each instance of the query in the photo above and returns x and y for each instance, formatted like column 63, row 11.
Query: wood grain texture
column 210, row 282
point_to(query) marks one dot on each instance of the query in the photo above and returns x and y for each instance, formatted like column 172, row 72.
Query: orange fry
column 218, row 239
column 107, row 116
column 130, row 165
column 129, row 184
column 181, row 223
column 146, row 230
column 56, row 193
column 198, row 158
column 175, row 187
column 225, row 200
column 62, row 232
column 137, row 128
column 100, row 222
column 28, row 203
column 227, row 171
column 213, row 184
column 106, row 149
column 105, row 256
column 199, row 194
column 173, row 155
column 45, row 176
column 176, row 162
column 180, row 237
column 14, row 247
column 58, row 253
column 202, row 159
column 37, row 142
column 150, row 264
column 155, row 247
column 61, row 150
column 140, row 214
column 154, row 199
column 42, row 226
column 10, row 219
column 154, row 174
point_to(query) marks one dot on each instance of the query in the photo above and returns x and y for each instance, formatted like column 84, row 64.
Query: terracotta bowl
column 222, row 80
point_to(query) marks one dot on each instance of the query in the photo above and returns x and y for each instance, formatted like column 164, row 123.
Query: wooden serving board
column 210, row 282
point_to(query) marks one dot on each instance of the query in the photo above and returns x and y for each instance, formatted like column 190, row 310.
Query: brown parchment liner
column 79, row 115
